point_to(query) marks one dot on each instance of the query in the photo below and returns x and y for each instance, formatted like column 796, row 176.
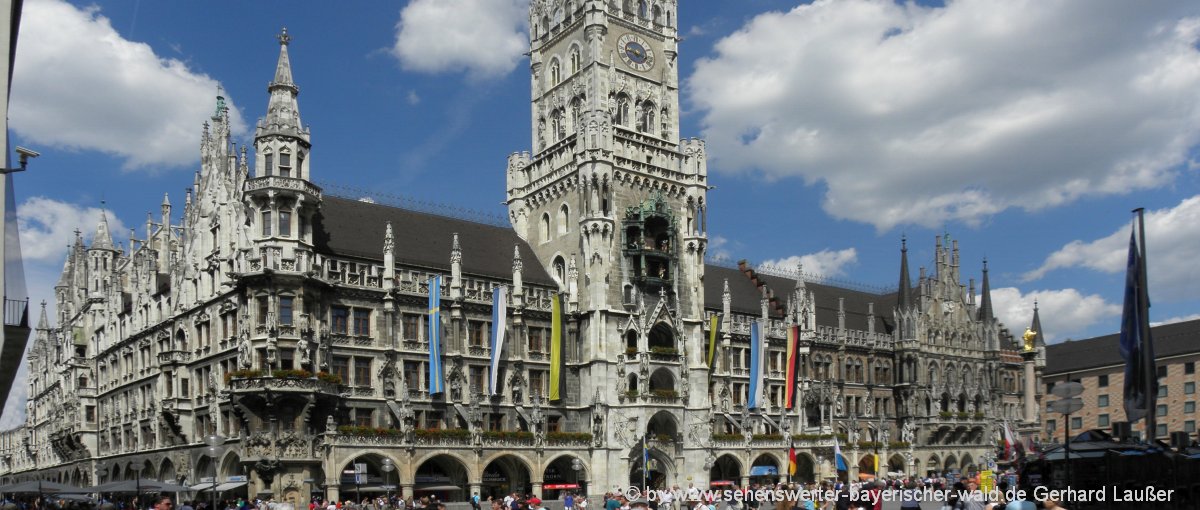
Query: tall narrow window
column 268, row 163
column 545, row 227
column 285, row 310
column 285, row 223
column 362, row 371
column 555, row 73
column 263, row 308
column 266, row 223
column 285, row 164
column 339, row 318
column 576, row 60
column 564, row 220
column 362, row 322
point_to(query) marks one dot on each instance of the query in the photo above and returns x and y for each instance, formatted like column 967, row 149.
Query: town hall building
column 268, row 338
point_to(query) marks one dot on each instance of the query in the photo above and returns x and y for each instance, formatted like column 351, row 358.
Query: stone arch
column 662, row 382
column 968, row 463
column 631, row 340
column 441, row 469
column 951, row 463
column 765, row 468
column 933, row 464
column 661, row 473
column 503, row 473
column 806, row 467
column 866, row 465
column 662, row 336
column 897, row 464
column 166, row 470
column 727, row 468
column 662, row 423
column 559, row 470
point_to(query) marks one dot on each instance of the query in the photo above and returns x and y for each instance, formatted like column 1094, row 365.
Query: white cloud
column 1173, row 320
column 412, row 98
column 1065, row 313
column 79, row 85
column 826, row 263
column 1172, row 243
column 48, row 227
column 912, row 114
column 484, row 38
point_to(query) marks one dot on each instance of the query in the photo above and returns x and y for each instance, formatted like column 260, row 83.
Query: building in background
column 294, row 324
column 1096, row 363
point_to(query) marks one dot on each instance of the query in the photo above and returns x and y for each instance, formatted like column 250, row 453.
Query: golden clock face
column 636, row 52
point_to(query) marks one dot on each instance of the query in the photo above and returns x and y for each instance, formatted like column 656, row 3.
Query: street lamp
column 388, row 467
column 136, row 466
column 577, row 466
column 214, row 442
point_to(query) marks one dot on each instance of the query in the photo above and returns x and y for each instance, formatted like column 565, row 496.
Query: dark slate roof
column 746, row 298
column 1074, row 355
column 352, row 228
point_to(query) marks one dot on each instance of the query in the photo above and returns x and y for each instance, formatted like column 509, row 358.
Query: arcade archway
column 726, row 471
column 503, row 475
column 444, row 476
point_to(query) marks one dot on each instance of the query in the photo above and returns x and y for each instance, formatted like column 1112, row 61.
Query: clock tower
column 613, row 203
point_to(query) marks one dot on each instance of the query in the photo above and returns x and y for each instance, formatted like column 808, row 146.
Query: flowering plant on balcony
column 962, row 415
column 945, row 414
column 442, row 433
column 329, row 378
column 727, row 437
column 567, row 437
column 766, row 437
column 508, row 434
column 665, row 393
column 664, row 351
column 291, row 374
column 898, row 445
column 352, row 430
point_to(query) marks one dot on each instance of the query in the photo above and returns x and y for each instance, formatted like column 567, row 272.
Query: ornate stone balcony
column 174, row 357
column 275, row 181
column 256, row 382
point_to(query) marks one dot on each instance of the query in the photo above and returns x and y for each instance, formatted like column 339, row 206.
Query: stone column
column 745, row 481
column 475, row 489
column 537, row 489
column 852, row 465
column 331, row 492
column 1030, row 358
column 406, row 490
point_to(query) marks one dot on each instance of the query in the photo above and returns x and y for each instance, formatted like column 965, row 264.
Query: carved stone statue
column 597, row 427
column 852, row 435
column 243, row 358
column 885, row 435
column 330, row 424
column 906, row 433
column 302, row 347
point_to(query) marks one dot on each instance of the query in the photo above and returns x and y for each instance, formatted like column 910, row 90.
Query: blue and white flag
column 436, row 384
column 756, row 367
column 837, row 454
column 499, row 327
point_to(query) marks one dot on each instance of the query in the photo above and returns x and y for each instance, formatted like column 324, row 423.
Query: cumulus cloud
column 827, row 263
column 79, row 85
column 48, row 226
column 1065, row 313
column 1172, row 243
column 918, row 115
column 484, row 38
column 1173, row 320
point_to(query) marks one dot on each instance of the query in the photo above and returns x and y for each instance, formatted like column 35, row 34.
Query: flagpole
column 1150, row 375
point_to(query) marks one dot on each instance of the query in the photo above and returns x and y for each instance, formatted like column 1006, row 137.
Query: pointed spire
column 102, row 240
column 517, row 264
column 903, row 297
column 985, row 303
column 43, row 322
column 283, row 113
column 1036, row 326
column 283, row 68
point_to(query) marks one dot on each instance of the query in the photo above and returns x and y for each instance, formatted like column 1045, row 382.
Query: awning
column 201, row 487
column 227, row 486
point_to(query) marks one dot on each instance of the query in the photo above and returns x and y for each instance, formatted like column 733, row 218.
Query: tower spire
column 903, row 299
column 985, row 303
column 283, row 112
column 1036, row 326
column 102, row 240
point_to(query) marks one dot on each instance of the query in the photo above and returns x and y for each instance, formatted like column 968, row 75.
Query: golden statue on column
column 1029, row 337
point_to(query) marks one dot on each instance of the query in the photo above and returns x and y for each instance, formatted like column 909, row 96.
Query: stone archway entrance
column 658, row 474
column 503, row 475
column 764, row 470
column 561, row 477
column 443, row 476
column 805, row 468
column 725, row 472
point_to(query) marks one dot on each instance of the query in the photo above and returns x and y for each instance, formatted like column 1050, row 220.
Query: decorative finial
column 283, row 37
column 903, row 241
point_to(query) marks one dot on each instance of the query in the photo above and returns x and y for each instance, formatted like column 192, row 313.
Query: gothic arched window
column 555, row 73
column 642, row 11
column 622, row 117
column 560, row 270
column 545, row 227
column 576, row 60
column 564, row 215
column 646, row 123
column 556, row 125
column 576, row 107
column 268, row 162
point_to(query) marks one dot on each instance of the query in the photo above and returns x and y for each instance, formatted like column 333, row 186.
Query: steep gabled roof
column 746, row 298
column 352, row 228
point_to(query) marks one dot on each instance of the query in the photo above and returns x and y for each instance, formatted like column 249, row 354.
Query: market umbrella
column 41, row 487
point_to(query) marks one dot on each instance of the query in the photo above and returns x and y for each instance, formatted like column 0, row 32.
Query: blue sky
column 1027, row 130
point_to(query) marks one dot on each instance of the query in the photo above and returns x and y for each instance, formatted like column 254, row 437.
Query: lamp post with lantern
column 214, row 442
column 388, row 467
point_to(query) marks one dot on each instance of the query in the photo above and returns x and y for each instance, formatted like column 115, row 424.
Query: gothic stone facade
column 293, row 323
